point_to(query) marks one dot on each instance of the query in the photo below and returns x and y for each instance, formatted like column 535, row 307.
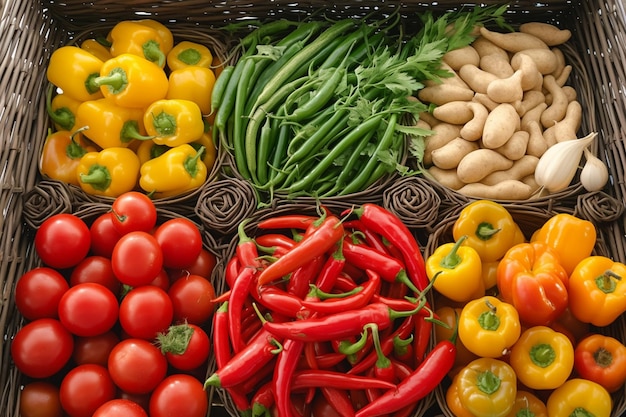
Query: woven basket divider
column 283, row 207
column 531, row 219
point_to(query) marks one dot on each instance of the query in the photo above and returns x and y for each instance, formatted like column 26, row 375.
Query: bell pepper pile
column 131, row 112
column 325, row 310
column 529, row 314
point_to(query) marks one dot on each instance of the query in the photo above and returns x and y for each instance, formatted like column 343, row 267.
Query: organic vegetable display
column 320, row 108
column 132, row 114
column 534, row 326
column 331, row 311
column 117, row 316
column 506, row 123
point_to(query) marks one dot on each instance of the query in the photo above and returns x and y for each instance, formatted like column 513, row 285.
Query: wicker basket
column 530, row 219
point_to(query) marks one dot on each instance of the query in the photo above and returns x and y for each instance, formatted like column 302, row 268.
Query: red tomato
column 40, row 399
column 94, row 349
column 146, row 311
column 85, row 388
column 133, row 211
column 96, row 269
column 120, row 408
column 38, row 292
column 137, row 366
column 195, row 349
column 180, row 241
column 103, row 235
column 142, row 400
column 162, row 280
column 137, row 259
column 203, row 266
column 192, row 299
column 88, row 309
column 62, row 241
column 179, row 395
column 42, row 348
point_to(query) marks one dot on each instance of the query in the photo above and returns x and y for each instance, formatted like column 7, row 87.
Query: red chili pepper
column 244, row 364
column 301, row 279
column 320, row 240
column 222, row 353
column 283, row 374
column 350, row 302
column 421, row 382
column 340, row 325
column 371, row 238
column 383, row 369
column 365, row 257
column 403, row 349
column 403, row 371
column 239, row 294
column 421, row 341
column 277, row 300
column 231, row 271
column 223, row 297
column 247, row 252
column 330, row 271
column 287, row 221
column 390, row 227
column 334, row 379
column 339, row 400
column 275, row 240
column 262, row 400
column 400, row 304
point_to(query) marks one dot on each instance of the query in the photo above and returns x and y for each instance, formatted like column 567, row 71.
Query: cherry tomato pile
column 117, row 315
column 329, row 315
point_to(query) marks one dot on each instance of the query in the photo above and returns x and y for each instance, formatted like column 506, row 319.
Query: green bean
column 246, row 170
column 356, row 134
column 321, row 97
column 266, row 29
column 280, row 150
column 342, row 50
column 219, row 88
column 263, row 151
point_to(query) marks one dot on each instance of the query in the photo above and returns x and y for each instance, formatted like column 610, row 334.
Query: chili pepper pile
column 326, row 310
column 131, row 111
column 529, row 314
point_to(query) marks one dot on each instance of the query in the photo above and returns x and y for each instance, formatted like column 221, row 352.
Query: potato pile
column 506, row 103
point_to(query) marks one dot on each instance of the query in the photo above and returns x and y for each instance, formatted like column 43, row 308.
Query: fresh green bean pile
column 327, row 108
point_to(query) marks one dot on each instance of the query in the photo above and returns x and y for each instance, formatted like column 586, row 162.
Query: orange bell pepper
column 598, row 290
column 61, row 154
column 528, row 404
column 601, row 359
column 531, row 278
column 571, row 237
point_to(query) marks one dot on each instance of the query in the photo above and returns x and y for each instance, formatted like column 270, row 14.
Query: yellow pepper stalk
column 571, row 237
column 61, row 154
column 111, row 125
column 74, row 70
column 457, row 270
column 97, row 48
column 62, row 110
column 529, row 405
column 490, row 229
column 164, row 32
column 173, row 122
column 489, row 327
column 597, row 290
column 178, row 170
column 130, row 37
column 487, row 387
column 110, row 172
column 132, row 81
column 187, row 53
column 579, row 397
column 194, row 84
column 542, row 358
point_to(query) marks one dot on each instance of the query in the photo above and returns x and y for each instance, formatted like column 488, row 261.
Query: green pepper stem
column 348, row 348
column 488, row 382
column 323, row 295
column 382, row 361
column 116, row 80
column 152, row 52
column 542, row 355
column 130, row 131
column 486, row 231
column 191, row 163
column 74, row 150
column 189, row 56
column 452, row 259
column 98, row 177
column 606, row 282
column 61, row 116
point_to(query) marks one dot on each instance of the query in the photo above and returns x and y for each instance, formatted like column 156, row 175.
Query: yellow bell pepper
column 489, row 327
column 529, row 405
column 187, row 53
column 164, row 32
column 450, row 316
column 62, row 110
column 130, row 37
column 579, row 397
column 110, row 172
column 209, row 154
column 453, row 400
column 597, row 290
column 456, row 270
column 61, row 154
column 73, row 70
column 173, row 122
column 97, row 48
column 194, row 84
column 490, row 274
column 148, row 150
column 177, row 171
column 542, row 358
column 109, row 124
column 490, row 228
column 571, row 237
column 132, row 81
column 487, row 387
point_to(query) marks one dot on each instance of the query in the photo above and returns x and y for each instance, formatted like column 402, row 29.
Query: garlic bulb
column 595, row 173
column 558, row 164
